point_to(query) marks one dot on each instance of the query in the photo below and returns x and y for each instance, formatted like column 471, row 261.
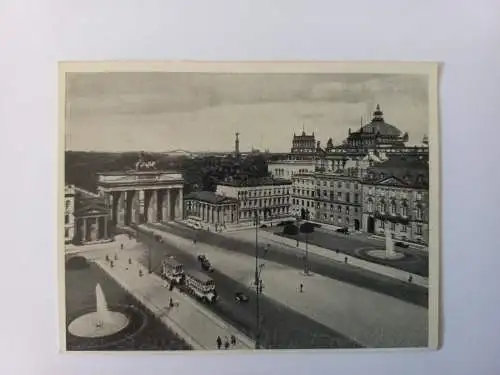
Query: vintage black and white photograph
column 248, row 206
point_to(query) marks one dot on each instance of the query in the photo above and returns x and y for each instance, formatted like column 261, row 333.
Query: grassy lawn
column 145, row 332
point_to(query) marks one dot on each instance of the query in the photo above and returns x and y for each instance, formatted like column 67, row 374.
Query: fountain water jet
column 102, row 311
column 101, row 322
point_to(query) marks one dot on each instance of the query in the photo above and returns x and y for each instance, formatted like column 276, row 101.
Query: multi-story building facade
column 303, row 195
column 396, row 199
column 339, row 199
column 69, row 213
column 329, row 198
column 269, row 197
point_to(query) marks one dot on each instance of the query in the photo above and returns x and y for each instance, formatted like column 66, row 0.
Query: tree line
column 202, row 173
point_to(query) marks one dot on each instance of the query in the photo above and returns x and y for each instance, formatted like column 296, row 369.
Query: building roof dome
column 378, row 125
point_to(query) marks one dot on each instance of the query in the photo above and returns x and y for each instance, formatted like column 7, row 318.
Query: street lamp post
column 257, row 281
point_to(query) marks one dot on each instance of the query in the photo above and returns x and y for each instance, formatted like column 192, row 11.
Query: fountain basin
column 91, row 325
column 383, row 254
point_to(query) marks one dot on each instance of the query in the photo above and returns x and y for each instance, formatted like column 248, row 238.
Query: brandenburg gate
column 142, row 195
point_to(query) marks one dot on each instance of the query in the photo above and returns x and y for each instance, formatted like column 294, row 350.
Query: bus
column 201, row 286
column 173, row 271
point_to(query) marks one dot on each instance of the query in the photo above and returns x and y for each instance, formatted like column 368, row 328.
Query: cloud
column 161, row 111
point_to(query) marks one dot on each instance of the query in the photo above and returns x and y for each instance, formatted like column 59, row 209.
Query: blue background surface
column 464, row 35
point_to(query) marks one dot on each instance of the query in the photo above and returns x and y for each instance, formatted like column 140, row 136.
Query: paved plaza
column 371, row 319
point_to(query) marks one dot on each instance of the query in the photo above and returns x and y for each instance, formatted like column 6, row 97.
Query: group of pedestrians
column 227, row 342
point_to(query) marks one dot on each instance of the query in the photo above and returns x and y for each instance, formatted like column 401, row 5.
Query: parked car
column 344, row 230
column 263, row 226
column 240, row 297
column 401, row 244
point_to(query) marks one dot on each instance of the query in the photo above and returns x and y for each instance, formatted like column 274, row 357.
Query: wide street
column 352, row 275
column 371, row 319
column 280, row 326
column 81, row 298
column 416, row 262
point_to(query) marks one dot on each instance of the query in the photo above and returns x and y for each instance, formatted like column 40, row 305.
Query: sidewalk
column 332, row 255
column 188, row 318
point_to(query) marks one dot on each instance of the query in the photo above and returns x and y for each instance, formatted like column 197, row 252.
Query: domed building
column 376, row 134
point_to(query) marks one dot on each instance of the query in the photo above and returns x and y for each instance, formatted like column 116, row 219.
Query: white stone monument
column 389, row 245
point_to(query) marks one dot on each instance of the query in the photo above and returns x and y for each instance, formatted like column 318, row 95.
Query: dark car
column 401, row 244
column 205, row 264
column 344, row 230
column 263, row 226
column 240, row 297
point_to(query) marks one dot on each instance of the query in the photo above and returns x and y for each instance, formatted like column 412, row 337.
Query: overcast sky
column 202, row 111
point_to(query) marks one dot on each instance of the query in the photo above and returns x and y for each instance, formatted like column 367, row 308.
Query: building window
column 339, row 208
column 403, row 228
column 419, row 229
column 356, row 198
column 339, row 196
column 370, row 205
column 393, row 226
column 66, row 233
column 419, row 213
column 66, row 219
column 68, row 202
column 347, row 197
column 381, row 224
column 393, row 208
column 404, row 210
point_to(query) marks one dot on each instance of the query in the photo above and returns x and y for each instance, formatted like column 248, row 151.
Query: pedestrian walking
column 121, row 246
column 301, row 288
column 297, row 243
column 219, row 342
column 233, row 340
column 226, row 343
column 410, row 278
column 171, row 302
column 345, row 260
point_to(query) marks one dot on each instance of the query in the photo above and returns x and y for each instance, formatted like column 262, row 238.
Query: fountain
column 102, row 322
column 388, row 253
column 389, row 245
